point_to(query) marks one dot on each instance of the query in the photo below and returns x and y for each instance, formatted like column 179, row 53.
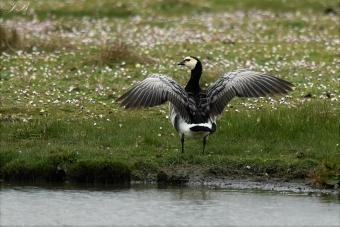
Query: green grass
column 119, row 9
column 272, row 141
column 59, row 119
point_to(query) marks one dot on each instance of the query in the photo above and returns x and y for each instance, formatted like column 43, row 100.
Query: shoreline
column 271, row 185
column 195, row 175
column 115, row 173
column 201, row 177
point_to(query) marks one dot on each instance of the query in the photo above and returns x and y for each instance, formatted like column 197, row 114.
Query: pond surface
column 155, row 205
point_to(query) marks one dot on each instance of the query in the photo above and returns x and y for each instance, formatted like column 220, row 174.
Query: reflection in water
column 159, row 205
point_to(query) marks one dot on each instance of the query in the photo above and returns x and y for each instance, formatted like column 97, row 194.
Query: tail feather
column 201, row 128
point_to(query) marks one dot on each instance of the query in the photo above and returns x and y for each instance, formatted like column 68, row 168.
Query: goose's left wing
column 155, row 90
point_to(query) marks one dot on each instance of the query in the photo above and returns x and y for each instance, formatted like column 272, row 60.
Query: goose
column 193, row 111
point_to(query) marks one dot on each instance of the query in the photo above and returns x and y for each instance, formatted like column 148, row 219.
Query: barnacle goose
column 193, row 111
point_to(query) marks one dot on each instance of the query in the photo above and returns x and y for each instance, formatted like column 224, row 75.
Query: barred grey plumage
column 155, row 90
column 243, row 83
column 193, row 111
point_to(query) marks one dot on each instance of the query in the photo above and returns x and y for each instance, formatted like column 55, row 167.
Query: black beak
column 181, row 63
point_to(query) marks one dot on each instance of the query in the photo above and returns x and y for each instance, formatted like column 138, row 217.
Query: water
column 154, row 205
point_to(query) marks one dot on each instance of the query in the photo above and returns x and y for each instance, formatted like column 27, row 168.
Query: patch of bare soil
column 230, row 178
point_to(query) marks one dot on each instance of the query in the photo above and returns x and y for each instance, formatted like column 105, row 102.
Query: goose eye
column 187, row 59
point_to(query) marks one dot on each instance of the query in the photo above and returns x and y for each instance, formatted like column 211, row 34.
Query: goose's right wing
column 243, row 83
column 155, row 90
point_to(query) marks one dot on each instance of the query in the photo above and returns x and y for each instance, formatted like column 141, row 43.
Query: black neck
column 194, row 83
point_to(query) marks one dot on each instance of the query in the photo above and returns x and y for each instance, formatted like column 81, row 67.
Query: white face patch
column 190, row 62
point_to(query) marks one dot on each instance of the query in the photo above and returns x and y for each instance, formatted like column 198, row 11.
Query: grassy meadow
column 63, row 64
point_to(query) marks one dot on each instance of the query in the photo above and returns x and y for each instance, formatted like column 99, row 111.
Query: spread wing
column 243, row 83
column 155, row 90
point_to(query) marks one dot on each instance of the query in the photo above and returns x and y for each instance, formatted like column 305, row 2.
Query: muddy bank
column 231, row 178
column 236, row 176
